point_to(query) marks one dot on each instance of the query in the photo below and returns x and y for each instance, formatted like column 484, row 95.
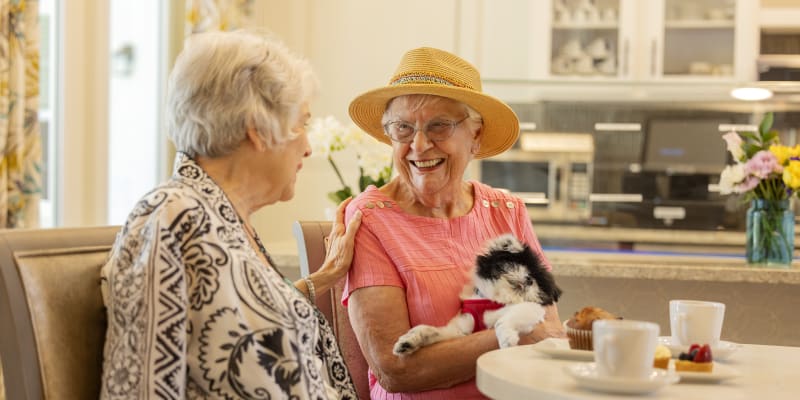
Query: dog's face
column 510, row 272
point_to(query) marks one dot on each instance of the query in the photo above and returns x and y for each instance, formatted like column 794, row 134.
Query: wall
column 354, row 46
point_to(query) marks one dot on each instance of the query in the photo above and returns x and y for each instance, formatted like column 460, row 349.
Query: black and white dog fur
column 510, row 273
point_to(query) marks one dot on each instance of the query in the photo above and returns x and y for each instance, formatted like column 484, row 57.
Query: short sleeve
column 371, row 265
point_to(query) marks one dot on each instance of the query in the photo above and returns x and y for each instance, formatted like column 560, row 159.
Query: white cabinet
column 611, row 39
column 709, row 39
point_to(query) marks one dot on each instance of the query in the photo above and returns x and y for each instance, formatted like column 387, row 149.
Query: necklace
column 253, row 234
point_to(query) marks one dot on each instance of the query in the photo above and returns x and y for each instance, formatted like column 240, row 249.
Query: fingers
column 353, row 225
column 341, row 210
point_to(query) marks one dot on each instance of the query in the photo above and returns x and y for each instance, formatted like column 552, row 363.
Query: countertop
column 639, row 235
column 666, row 266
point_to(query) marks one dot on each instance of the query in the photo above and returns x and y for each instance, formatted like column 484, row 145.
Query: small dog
column 509, row 273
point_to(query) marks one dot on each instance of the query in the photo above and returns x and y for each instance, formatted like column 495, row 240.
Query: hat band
column 419, row 78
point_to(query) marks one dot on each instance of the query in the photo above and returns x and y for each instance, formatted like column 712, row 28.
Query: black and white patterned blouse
column 194, row 313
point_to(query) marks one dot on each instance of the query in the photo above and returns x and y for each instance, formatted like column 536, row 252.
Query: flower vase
column 770, row 233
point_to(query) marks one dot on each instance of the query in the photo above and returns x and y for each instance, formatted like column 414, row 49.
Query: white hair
column 226, row 82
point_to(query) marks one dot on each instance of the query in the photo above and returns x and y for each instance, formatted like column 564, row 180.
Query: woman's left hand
column 339, row 253
column 550, row 327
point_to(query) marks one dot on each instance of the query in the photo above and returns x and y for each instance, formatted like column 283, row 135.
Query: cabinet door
column 589, row 38
column 503, row 39
column 701, row 39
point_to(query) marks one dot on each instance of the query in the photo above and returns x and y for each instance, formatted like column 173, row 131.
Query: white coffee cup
column 624, row 348
column 693, row 321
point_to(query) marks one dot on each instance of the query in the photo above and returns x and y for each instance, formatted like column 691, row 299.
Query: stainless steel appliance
column 551, row 172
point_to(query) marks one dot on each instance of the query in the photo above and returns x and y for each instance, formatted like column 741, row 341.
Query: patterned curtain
column 20, row 140
column 223, row 15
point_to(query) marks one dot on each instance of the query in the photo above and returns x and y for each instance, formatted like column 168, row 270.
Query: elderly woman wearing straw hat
column 421, row 232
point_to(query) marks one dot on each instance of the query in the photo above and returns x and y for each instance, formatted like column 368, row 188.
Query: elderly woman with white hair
column 422, row 231
column 196, row 306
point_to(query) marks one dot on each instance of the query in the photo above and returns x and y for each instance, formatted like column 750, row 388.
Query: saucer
column 721, row 351
column 559, row 348
column 586, row 376
column 719, row 373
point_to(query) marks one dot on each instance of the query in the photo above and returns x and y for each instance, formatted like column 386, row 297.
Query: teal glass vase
column 770, row 233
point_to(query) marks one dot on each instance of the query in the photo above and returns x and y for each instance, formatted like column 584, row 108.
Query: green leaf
column 771, row 137
column 751, row 149
column 766, row 124
column 749, row 136
column 340, row 195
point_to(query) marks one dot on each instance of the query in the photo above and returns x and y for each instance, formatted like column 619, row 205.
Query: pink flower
column 762, row 164
column 748, row 184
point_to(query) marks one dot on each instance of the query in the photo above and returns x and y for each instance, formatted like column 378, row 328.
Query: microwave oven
column 553, row 181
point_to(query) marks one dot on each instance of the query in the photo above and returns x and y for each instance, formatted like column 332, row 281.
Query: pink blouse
column 431, row 259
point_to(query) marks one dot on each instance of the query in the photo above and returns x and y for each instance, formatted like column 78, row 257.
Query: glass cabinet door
column 699, row 38
column 585, row 38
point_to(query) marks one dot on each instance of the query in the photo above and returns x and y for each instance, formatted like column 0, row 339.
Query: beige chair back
column 310, row 237
column 53, row 320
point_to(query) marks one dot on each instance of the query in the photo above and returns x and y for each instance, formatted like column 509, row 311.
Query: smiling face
column 431, row 168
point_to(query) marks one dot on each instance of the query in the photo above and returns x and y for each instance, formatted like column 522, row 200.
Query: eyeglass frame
column 453, row 126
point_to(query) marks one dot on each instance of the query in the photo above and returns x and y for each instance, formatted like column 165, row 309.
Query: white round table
column 522, row 372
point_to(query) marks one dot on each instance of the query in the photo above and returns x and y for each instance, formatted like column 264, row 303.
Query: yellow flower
column 791, row 175
column 795, row 151
column 781, row 152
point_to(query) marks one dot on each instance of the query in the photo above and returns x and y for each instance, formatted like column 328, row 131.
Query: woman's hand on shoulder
column 340, row 244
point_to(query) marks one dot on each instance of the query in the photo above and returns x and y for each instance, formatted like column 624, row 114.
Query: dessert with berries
column 698, row 359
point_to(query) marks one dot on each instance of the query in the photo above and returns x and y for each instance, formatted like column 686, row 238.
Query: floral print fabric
column 20, row 143
column 193, row 312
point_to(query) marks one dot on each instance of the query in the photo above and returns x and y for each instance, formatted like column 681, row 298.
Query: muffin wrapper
column 580, row 339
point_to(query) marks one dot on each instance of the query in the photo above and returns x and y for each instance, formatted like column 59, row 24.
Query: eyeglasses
column 436, row 130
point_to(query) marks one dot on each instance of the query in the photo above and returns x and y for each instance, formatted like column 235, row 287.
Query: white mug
column 624, row 348
column 693, row 321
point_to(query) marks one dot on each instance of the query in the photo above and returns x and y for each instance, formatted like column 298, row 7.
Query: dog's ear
column 557, row 292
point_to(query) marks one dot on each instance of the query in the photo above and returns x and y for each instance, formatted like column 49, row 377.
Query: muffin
column 662, row 356
column 579, row 327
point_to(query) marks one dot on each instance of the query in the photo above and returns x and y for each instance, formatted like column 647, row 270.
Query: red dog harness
column 477, row 307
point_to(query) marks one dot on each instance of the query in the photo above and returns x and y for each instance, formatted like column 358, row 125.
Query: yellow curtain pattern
column 20, row 140
column 223, row 15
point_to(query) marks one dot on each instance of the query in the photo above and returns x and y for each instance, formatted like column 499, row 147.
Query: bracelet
column 312, row 296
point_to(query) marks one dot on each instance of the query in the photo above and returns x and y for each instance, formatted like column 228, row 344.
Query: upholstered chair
column 52, row 319
column 311, row 247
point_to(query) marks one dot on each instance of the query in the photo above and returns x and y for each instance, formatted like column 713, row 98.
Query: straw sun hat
column 431, row 71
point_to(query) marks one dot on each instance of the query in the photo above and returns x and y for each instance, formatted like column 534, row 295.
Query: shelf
column 680, row 88
column 700, row 24
column 586, row 25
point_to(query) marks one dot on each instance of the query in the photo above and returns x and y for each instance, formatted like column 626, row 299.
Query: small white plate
column 586, row 376
column 559, row 348
column 721, row 351
column 719, row 373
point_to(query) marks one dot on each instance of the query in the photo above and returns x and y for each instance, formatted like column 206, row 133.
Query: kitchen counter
column 655, row 266
column 638, row 235
column 761, row 302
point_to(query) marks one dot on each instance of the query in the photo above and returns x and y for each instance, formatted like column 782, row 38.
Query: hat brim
column 500, row 123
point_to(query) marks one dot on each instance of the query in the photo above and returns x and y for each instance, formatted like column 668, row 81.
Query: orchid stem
column 336, row 169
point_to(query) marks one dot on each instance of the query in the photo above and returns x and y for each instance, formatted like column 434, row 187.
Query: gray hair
column 226, row 82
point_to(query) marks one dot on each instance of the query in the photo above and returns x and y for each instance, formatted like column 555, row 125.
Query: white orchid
column 730, row 177
column 327, row 136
